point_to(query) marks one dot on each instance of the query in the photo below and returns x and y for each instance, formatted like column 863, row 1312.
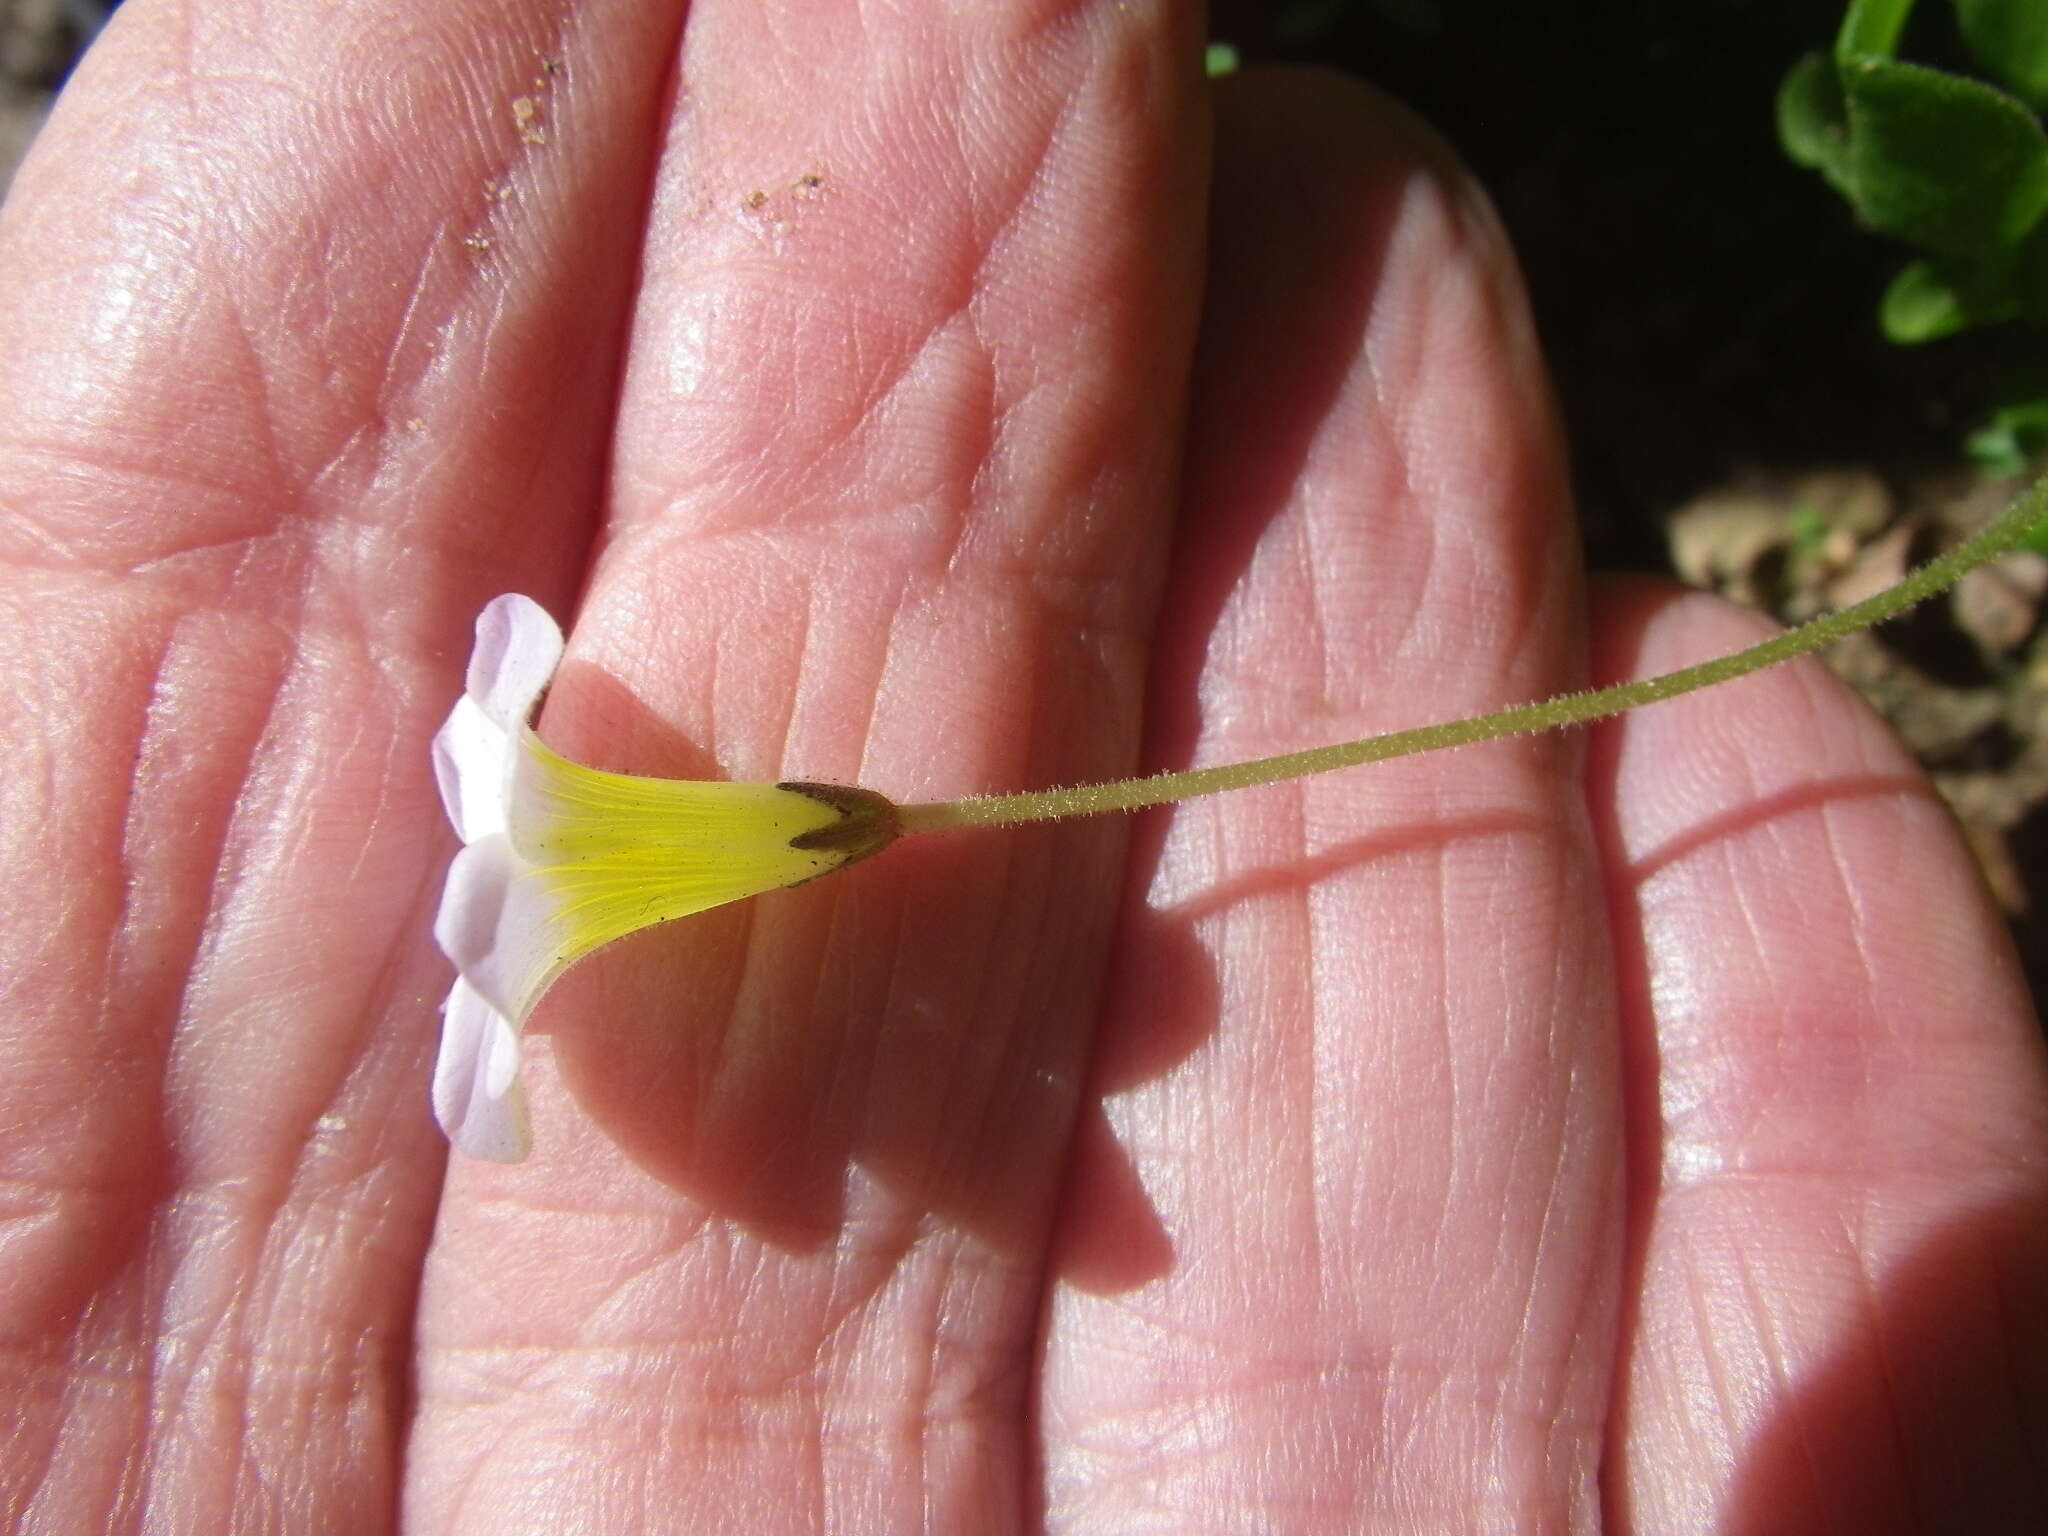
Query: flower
column 559, row 860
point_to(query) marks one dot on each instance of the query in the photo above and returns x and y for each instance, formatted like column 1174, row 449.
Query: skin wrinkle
column 463, row 1495
column 1756, row 945
column 250, row 824
column 1852, row 899
column 1708, row 1366
column 1769, row 1350
column 389, row 370
column 29, row 548
column 147, row 744
column 177, row 1365
column 400, row 381
column 1312, row 561
column 1443, row 1062
column 878, row 674
column 108, row 986
column 394, row 780
column 18, row 1502
column 1311, row 904
column 1430, row 221
column 140, row 1385
column 475, row 286
column 926, row 1395
column 806, row 636
column 28, row 535
column 1540, row 1263
column 1007, row 221
column 897, row 401
column 1409, row 628
column 854, row 1286
column 1855, row 1229
column 291, row 510
column 264, row 1214
column 1571, row 1438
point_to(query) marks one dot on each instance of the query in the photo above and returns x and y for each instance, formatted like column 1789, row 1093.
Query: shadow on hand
column 923, row 1020
column 1934, row 1416
column 928, row 1019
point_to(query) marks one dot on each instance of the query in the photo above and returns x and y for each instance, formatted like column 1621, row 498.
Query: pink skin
column 1647, row 1129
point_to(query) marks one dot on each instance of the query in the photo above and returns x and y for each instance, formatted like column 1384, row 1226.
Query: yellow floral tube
column 559, row 860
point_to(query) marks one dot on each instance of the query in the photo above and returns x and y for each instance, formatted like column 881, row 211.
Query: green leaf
column 1950, row 164
column 1994, row 453
column 1919, row 306
column 1932, row 299
column 1809, row 529
column 1871, row 29
column 1813, row 119
column 2010, row 39
column 2010, row 440
column 1938, row 297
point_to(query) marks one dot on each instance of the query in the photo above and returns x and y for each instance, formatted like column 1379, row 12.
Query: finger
column 1385, row 1163
column 303, row 346
column 1838, row 1150
column 899, row 430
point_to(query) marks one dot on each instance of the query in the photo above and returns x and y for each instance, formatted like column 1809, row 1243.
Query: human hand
column 1647, row 1129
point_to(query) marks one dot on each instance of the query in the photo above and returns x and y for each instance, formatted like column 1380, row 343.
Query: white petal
column 500, row 924
column 517, row 650
column 477, row 1096
column 472, row 765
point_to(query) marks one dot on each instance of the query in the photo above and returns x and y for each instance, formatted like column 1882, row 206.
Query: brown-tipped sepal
column 867, row 822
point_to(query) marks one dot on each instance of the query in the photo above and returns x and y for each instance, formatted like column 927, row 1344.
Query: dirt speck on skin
column 775, row 212
column 526, row 115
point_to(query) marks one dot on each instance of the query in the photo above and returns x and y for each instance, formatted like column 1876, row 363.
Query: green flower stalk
column 559, row 860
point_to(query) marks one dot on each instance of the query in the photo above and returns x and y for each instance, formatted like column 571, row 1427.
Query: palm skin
column 1646, row 1131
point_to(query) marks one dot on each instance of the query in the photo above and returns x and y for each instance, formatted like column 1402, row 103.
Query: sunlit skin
column 1644, row 1127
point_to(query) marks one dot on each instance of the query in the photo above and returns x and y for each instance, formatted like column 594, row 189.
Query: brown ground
column 1964, row 680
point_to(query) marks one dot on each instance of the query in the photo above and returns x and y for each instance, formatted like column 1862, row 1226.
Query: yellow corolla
column 559, row 860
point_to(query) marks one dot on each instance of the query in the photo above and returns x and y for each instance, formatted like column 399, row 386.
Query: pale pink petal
column 472, row 767
column 478, row 1099
column 517, row 650
column 500, row 925
column 493, row 917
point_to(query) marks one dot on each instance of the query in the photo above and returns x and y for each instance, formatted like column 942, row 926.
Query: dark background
column 1708, row 308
